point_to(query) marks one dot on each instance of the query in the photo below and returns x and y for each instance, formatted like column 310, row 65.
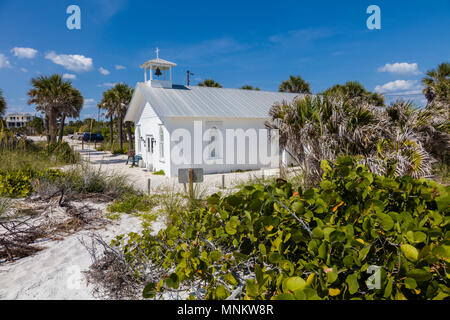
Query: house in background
column 161, row 110
column 18, row 119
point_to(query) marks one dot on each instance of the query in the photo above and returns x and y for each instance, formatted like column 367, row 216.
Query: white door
column 149, row 149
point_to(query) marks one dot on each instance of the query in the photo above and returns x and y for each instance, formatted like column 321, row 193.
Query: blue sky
column 259, row 43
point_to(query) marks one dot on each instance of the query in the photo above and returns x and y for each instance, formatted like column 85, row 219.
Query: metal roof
column 182, row 101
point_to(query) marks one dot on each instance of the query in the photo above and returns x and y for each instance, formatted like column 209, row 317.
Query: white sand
column 55, row 272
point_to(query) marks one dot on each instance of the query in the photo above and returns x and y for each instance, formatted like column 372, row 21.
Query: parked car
column 92, row 137
column 78, row 136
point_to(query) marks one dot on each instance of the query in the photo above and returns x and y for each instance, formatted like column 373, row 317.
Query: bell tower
column 160, row 72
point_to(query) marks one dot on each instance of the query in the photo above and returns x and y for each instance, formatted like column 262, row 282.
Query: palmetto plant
column 355, row 94
column 210, row 83
column 249, row 87
column 391, row 141
column 295, row 84
column 55, row 97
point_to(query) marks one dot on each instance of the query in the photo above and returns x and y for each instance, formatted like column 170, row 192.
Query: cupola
column 160, row 72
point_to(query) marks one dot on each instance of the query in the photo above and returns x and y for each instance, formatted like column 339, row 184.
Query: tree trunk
column 61, row 128
column 130, row 140
column 47, row 131
column 111, row 132
column 120, row 126
column 52, row 124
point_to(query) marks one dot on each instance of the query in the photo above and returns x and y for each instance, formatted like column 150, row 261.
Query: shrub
column 159, row 173
column 132, row 203
column 87, row 179
column 62, row 152
column 18, row 183
column 277, row 242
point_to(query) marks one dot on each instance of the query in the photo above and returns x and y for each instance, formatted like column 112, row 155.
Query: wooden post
column 149, row 186
column 82, row 144
column 223, row 182
column 262, row 174
column 191, row 182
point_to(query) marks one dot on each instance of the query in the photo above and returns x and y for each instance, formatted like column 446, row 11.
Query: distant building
column 18, row 119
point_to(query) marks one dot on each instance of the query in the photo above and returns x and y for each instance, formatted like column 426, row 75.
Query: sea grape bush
column 277, row 242
column 18, row 183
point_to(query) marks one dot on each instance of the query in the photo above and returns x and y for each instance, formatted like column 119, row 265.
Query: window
column 161, row 142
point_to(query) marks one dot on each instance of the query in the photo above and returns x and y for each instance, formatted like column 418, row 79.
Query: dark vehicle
column 92, row 137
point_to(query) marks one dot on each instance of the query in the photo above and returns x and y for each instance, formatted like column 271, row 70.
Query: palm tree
column 355, row 94
column 108, row 104
column 248, row 87
column 210, row 83
column 437, row 85
column 2, row 104
column 72, row 107
column 53, row 95
column 121, row 95
column 295, row 85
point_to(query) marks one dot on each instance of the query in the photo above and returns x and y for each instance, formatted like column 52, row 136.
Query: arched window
column 161, row 142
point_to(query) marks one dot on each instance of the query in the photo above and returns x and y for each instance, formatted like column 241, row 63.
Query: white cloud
column 69, row 76
column 4, row 62
column 397, row 85
column 119, row 67
column 400, row 68
column 24, row 53
column 72, row 62
column 89, row 103
column 107, row 85
column 103, row 71
column 24, row 69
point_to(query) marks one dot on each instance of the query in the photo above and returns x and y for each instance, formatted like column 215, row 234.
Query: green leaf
column 386, row 221
column 149, row 291
column 363, row 252
column 230, row 228
column 172, row 281
column 285, row 296
column 332, row 276
column 221, row 292
column 410, row 283
column 275, row 257
column 262, row 249
column 215, row 255
column 419, row 275
column 410, row 252
column 442, row 252
column 295, row 283
column 352, row 281
column 388, row 289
